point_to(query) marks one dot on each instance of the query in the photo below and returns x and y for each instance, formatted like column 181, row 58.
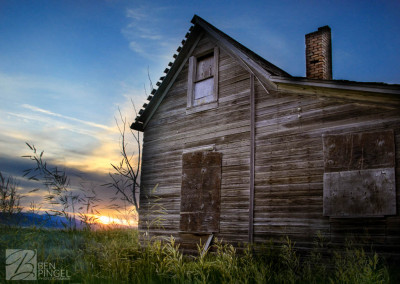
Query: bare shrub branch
column 65, row 202
column 125, row 177
column 9, row 197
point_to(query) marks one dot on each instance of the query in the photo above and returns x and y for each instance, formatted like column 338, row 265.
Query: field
column 124, row 256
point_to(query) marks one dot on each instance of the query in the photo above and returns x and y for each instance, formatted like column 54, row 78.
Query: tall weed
column 117, row 256
column 353, row 265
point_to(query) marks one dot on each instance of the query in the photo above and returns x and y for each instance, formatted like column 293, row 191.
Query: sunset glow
column 107, row 220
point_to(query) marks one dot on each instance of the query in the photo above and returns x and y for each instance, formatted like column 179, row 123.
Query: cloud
column 108, row 151
column 152, row 37
column 47, row 112
column 136, row 47
column 86, row 146
column 22, row 87
column 78, row 143
column 79, row 181
column 51, row 114
column 61, row 141
column 66, row 138
column 136, row 14
column 147, row 31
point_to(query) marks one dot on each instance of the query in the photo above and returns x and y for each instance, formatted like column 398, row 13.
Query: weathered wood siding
column 171, row 131
column 289, row 159
column 290, row 166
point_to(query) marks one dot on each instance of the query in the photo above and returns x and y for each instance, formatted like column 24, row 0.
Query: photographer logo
column 21, row 264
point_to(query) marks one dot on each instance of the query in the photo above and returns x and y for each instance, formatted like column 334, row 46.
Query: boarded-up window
column 200, row 192
column 359, row 178
column 203, row 79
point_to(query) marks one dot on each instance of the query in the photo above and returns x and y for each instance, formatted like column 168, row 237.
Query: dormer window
column 203, row 79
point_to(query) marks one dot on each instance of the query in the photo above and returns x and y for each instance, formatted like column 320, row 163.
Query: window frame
column 192, row 81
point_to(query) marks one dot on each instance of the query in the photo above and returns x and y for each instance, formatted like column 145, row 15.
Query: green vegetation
column 119, row 256
column 126, row 256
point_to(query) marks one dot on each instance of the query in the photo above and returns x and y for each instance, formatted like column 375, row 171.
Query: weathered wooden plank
column 359, row 151
column 346, row 126
column 205, row 120
column 227, row 144
column 270, row 138
column 288, row 173
column 232, row 103
column 360, row 193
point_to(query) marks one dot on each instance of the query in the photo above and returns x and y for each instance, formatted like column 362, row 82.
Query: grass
column 116, row 256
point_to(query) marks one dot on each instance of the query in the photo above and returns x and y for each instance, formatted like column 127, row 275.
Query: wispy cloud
column 43, row 121
column 143, row 23
column 50, row 113
column 146, row 31
column 136, row 14
column 133, row 45
column 67, row 138
column 26, row 86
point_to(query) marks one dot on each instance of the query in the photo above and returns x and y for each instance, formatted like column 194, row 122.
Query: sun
column 107, row 220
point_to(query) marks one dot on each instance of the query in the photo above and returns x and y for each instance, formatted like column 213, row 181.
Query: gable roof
column 251, row 61
column 269, row 75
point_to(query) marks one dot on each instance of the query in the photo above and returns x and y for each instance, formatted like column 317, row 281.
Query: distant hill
column 38, row 220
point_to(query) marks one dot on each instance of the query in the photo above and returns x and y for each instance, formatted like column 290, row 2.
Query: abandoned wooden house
column 243, row 151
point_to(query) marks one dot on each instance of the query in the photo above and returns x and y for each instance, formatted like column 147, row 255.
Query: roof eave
column 138, row 126
column 382, row 88
column 158, row 95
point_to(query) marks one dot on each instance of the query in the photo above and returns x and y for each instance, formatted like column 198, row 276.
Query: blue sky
column 66, row 66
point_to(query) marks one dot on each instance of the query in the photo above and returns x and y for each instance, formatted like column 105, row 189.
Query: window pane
column 204, row 89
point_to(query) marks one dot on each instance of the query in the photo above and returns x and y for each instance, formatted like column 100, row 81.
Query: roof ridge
column 258, row 59
column 199, row 25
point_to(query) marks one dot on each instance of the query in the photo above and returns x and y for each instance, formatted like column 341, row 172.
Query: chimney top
column 319, row 54
column 324, row 28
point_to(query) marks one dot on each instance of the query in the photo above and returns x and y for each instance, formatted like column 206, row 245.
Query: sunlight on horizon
column 125, row 220
column 107, row 220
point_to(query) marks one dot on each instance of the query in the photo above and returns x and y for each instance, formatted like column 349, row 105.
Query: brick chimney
column 319, row 54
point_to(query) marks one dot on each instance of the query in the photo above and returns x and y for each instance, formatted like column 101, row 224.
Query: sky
column 67, row 67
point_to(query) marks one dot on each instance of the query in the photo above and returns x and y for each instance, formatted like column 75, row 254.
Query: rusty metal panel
column 200, row 192
column 360, row 193
column 359, row 151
